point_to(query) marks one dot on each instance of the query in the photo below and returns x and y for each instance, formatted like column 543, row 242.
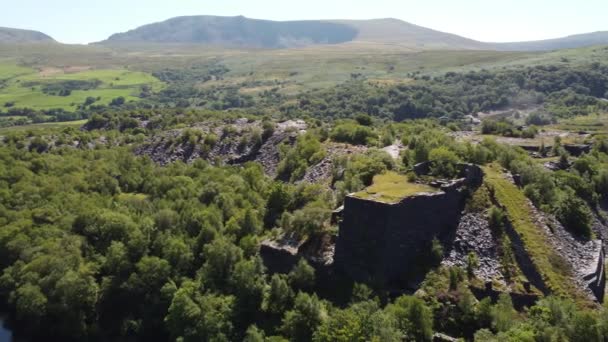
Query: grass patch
column 557, row 278
column 594, row 123
column 8, row 70
column 391, row 187
column 114, row 83
column 45, row 126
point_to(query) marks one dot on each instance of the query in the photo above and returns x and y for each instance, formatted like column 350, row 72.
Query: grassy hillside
column 251, row 71
column 239, row 32
column 254, row 33
column 299, row 68
column 395, row 31
column 43, row 127
column 11, row 35
column 570, row 42
column 556, row 276
column 26, row 87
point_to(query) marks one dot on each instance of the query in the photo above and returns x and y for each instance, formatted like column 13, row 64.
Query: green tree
column 308, row 313
column 248, row 283
column 585, row 328
column 574, row 214
column 221, row 258
column 302, row 276
column 253, row 334
column 309, row 220
column 503, row 313
column 413, row 316
column 31, row 303
column 278, row 201
column 280, row 295
column 193, row 316
column 443, row 162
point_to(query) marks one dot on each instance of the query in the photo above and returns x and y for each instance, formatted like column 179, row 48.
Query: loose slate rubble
column 474, row 235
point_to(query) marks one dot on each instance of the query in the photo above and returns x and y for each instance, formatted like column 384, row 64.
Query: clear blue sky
column 83, row 21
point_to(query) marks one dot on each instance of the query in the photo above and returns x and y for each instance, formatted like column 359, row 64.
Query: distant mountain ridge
column 569, row 42
column 242, row 32
column 256, row 33
column 395, row 31
column 12, row 35
column 239, row 32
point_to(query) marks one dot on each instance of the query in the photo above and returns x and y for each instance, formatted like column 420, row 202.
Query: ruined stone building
column 385, row 243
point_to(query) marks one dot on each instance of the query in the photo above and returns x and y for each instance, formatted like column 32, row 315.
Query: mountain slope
column 238, row 32
column 569, row 42
column 11, row 35
column 395, row 31
column 255, row 33
column 241, row 32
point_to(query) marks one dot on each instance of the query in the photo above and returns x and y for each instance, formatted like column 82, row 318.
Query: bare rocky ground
column 474, row 235
column 235, row 144
column 323, row 170
column 395, row 149
column 168, row 147
column 581, row 256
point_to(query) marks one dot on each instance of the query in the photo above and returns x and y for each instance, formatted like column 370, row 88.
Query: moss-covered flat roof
column 391, row 187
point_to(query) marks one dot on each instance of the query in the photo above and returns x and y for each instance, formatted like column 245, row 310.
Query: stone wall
column 596, row 279
column 520, row 300
column 577, row 150
column 384, row 243
column 280, row 256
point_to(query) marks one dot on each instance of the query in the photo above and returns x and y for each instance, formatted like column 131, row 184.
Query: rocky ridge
column 236, row 142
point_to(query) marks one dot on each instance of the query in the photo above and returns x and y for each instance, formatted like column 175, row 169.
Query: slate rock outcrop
column 282, row 254
column 383, row 243
column 229, row 149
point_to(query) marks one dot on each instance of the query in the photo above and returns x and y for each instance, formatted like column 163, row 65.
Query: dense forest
column 100, row 244
column 564, row 90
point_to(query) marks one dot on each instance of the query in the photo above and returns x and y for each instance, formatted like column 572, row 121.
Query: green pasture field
column 253, row 70
column 114, row 83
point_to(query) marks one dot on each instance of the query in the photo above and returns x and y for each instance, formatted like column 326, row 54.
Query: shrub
column 496, row 219
column 539, row 119
column 364, row 119
column 413, row 317
column 472, row 264
column 436, row 252
column 309, row 221
column 302, row 276
column 443, row 162
column 353, row 134
column 503, row 313
column 574, row 214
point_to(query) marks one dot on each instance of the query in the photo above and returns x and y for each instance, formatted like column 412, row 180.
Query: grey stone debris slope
column 474, row 235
